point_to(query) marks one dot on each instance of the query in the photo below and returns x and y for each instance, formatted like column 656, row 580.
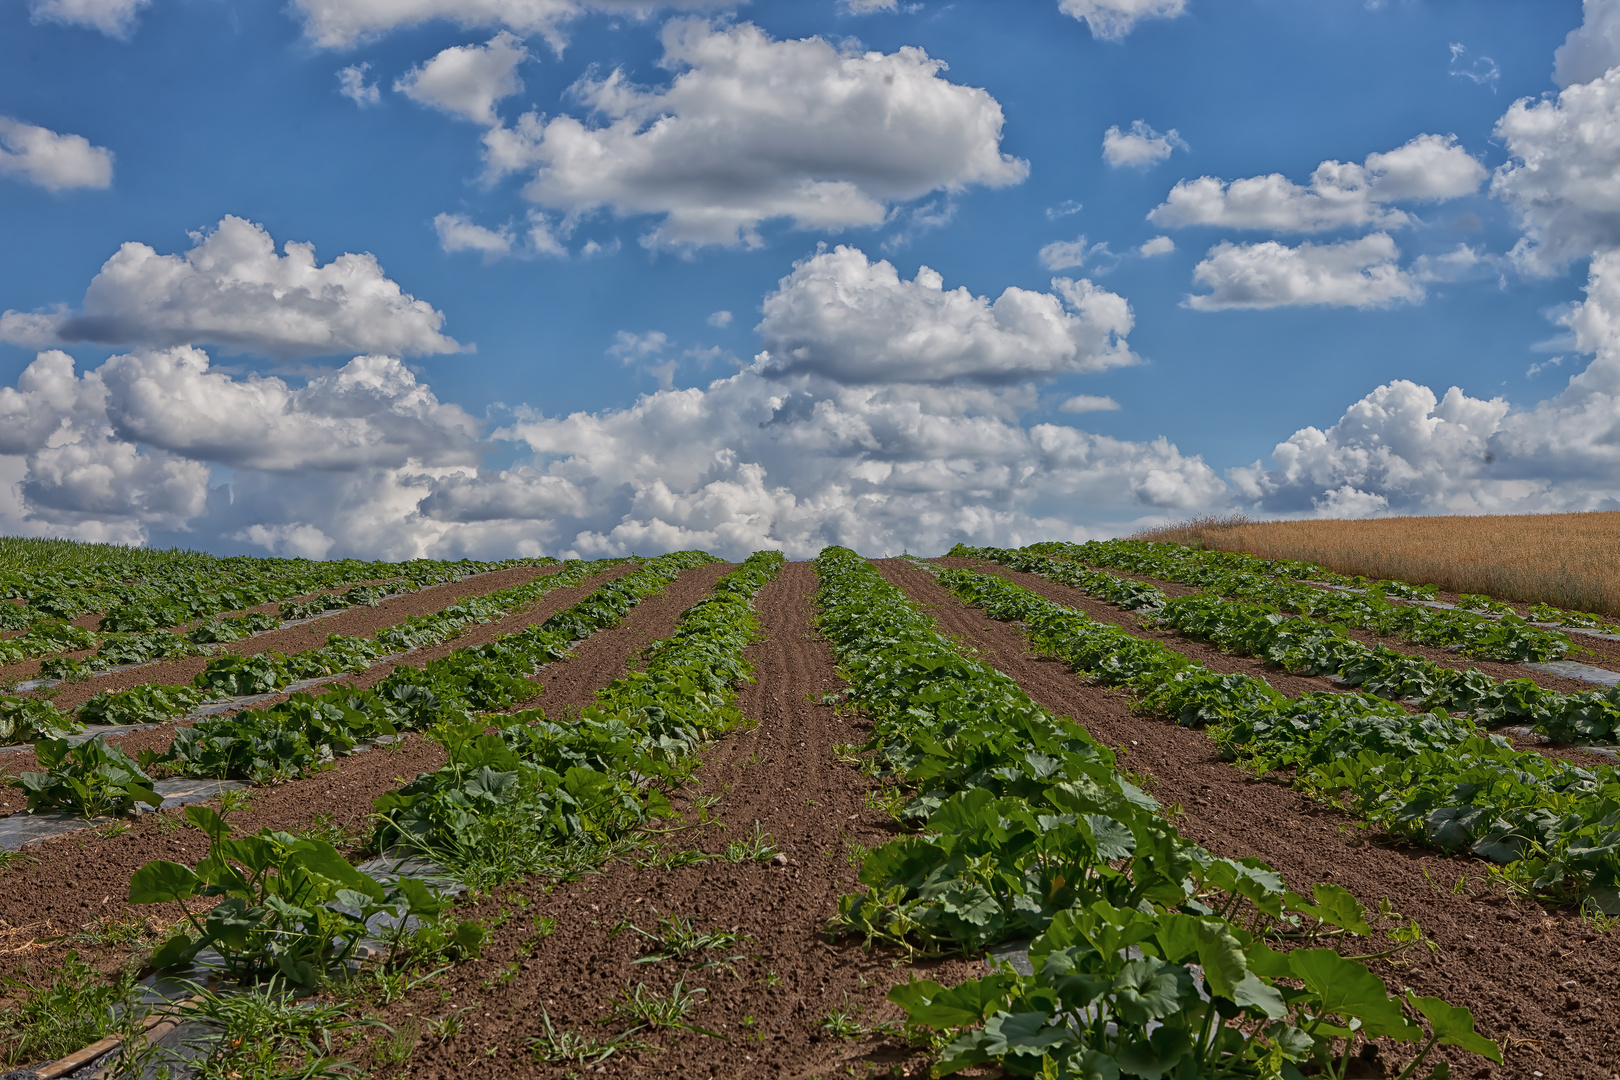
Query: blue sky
column 542, row 210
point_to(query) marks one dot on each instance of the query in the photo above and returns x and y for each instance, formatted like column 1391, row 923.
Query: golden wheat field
column 1571, row 560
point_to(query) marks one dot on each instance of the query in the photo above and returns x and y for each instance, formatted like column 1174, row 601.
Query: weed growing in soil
column 74, row 1010
column 653, row 1011
column 885, row 800
column 323, row 826
column 670, row 859
column 398, row 1045
column 113, row 931
column 576, row 1048
column 677, row 939
column 846, row 1023
column 756, row 848
column 269, row 1035
column 444, row 1028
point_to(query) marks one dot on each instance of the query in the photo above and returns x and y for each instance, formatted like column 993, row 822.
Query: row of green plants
column 533, row 795
column 234, row 675
column 1508, row 638
column 1552, row 827
column 291, row 910
column 1151, row 957
column 307, row 732
column 1305, row 646
column 1197, row 566
column 167, row 595
column 136, row 633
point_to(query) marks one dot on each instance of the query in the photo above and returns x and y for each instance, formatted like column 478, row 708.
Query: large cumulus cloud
column 883, row 413
column 1404, row 448
column 232, row 289
column 751, row 129
column 841, row 315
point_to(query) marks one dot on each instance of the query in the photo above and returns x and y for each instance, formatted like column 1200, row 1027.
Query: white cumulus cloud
column 1141, row 146
column 1111, row 20
column 1563, row 179
column 847, row 318
column 1159, row 245
column 115, row 18
column 1353, row 273
column 752, row 129
column 232, row 289
column 1427, row 168
column 883, row 413
column 1591, row 48
column 467, row 80
column 1405, row 449
column 294, row 541
column 54, row 162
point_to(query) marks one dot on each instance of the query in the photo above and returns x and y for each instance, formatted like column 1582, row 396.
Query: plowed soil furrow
column 1509, row 961
column 1589, row 650
column 158, row 737
column 786, row 978
column 61, row 885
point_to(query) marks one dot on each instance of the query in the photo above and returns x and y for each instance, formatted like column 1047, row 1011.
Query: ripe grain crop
column 1568, row 560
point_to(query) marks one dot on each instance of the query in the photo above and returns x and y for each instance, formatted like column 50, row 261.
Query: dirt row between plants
column 1226, row 663
column 767, row 1003
column 64, row 884
column 1541, row 982
column 1589, row 650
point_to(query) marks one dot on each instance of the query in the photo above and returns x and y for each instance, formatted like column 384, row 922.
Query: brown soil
column 63, row 884
column 1506, row 960
column 784, row 980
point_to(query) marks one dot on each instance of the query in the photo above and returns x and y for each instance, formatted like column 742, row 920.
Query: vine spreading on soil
column 1150, row 957
column 1437, row 779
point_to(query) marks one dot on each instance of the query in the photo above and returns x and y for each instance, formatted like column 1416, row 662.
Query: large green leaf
column 161, row 881
column 1334, row 906
column 1149, row 989
column 1454, row 1026
column 929, row 1003
column 1346, row 988
column 1023, row 1034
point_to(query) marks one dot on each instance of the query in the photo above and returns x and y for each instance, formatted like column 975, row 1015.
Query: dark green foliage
column 1433, row 777
column 24, row 719
column 91, row 778
column 535, row 796
column 1027, row 830
column 290, row 908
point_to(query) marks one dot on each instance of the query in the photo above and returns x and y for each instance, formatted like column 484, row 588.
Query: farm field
column 1562, row 559
column 770, row 818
